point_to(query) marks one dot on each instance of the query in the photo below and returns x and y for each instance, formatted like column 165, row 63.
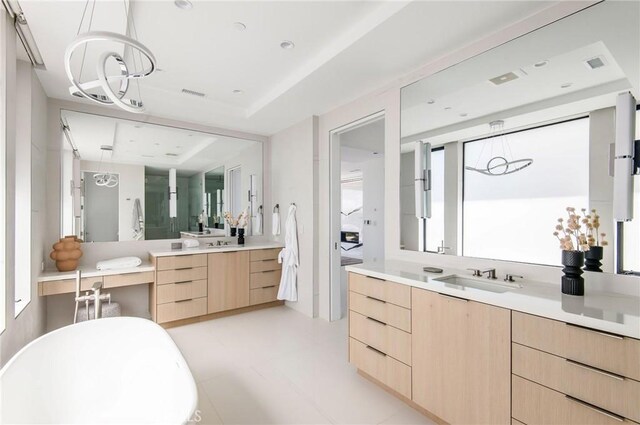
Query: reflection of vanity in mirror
column 130, row 180
column 513, row 136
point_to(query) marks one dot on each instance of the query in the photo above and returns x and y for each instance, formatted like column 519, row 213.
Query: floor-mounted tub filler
column 112, row 370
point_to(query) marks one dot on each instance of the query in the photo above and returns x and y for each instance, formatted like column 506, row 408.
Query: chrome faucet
column 476, row 272
column 491, row 273
column 442, row 248
column 510, row 277
column 87, row 298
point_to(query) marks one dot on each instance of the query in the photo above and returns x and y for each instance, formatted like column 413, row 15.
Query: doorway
column 99, row 211
column 357, row 202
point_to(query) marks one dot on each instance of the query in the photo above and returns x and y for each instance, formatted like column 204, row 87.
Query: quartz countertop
column 52, row 275
column 208, row 250
column 604, row 311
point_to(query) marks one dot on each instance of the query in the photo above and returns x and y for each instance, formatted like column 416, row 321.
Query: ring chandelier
column 142, row 59
column 502, row 164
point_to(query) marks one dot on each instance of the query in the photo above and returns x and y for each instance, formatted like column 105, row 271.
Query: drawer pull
column 267, row 287
column 269, row 259
column 377, row 321
column 184, row 268
column 376, row 299
column 452, row 297
column 183, row 281
column 376, row 351
column 267, row 271
column 594, row 369
column 596, row 409
column 376, row 278
column 595, row 331
column 184, row 301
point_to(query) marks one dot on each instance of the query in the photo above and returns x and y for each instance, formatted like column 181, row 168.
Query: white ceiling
column 359, row 145
column 536, row 95
column 151, row 145
column 344, row 49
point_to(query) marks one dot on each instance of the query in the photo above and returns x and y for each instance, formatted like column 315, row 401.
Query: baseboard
column 220, row 314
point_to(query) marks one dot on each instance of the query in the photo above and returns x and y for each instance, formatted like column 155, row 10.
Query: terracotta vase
column 66, row 253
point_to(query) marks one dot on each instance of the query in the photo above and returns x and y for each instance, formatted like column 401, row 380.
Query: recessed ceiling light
column 131, row 141
column 287, row 45
column 137, row 126
column 464, row 114
column 566, row 85
column 375, row 153
column 431, row 101
column 157, row 144
column 447, row 108
column 540, row 64
column 237, row 91
column 239, row 26
column 183, row 4
column 178, row 147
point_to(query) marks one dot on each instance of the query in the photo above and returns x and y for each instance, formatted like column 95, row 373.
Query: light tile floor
column 277, row 366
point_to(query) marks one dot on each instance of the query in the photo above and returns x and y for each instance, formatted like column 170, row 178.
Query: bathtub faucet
column 96, row 297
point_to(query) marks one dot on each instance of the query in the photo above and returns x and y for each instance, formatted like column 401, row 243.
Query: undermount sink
column 463, row 282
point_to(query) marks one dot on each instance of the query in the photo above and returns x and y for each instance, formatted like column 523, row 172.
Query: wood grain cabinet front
column 228, row 281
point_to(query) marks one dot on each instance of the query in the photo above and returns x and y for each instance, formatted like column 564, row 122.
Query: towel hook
column 276, row 208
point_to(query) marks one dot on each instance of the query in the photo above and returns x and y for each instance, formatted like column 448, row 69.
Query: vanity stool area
column 463, row 357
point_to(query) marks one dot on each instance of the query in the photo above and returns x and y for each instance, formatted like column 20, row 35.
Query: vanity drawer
column 116, row 280
column 387, row 339
column 66, row 286
column 263, row 295
column 382, row 290
column 265, row 254
column 265, row 265
column 181, row 275
column 602, row 350
column 181, row 310
column 385, row 369
column 265, row 278
column 181, row 262
column 181, row 291
column 390, row 314
column 534, row 404
column 610, row 392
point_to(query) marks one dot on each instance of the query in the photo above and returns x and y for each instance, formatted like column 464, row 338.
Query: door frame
column 335, row 201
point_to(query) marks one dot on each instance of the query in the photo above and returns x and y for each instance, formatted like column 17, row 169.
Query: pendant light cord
column 84, row 50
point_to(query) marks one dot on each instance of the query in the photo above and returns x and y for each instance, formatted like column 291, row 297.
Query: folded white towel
column 275, row 224
column 190, row 243
column 119, row 263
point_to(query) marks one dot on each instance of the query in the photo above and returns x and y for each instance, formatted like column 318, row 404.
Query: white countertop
column 208, row 250
column 52, row 275
column 604, row 311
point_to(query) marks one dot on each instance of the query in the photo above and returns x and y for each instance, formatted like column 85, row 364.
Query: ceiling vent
column 595, row 63
column 504, row 78
column 192, row 92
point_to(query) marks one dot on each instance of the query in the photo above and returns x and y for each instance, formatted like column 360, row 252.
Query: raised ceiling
column 343, row 49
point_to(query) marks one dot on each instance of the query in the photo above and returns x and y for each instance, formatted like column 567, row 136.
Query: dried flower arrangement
column 570, row 233
column 241, row 221
column 592, row 223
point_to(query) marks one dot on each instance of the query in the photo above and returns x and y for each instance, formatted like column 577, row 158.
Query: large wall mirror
column 125, row 180
column 515, row 135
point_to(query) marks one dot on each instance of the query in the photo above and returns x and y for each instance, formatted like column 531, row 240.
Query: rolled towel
column 119, row 263
column 275, row 224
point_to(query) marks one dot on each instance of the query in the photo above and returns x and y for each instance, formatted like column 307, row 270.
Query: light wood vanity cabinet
column 565, row 374
column 264, row 280
column 379, row 334
column 228, row 280
column 461, row 358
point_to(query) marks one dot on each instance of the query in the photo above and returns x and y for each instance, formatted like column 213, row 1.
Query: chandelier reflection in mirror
column 501, row 163
column 106, row 178
column 139, row 63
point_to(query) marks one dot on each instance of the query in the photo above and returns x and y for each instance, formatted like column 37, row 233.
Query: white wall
column 293, row 176
column 30, row 323
column 373, row 209
column 131, row 186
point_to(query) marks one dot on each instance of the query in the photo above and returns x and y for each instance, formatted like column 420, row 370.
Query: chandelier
column 107, row 179
column 142, row 63
column 502, row 163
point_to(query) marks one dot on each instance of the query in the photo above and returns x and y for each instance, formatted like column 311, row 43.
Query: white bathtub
column 112, row 370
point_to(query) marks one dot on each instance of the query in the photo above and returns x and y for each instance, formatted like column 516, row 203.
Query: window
column 520, row 204
column 631, row 229
column 434, row 226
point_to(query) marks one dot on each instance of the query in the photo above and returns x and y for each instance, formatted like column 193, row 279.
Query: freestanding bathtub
column 112, row 370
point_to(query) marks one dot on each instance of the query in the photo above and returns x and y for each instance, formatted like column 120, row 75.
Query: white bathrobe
column 289, row 258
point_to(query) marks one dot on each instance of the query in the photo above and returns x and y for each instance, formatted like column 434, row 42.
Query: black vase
column 241, row 236
column 233, row 231
column 572, row 281
column 593, row 258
